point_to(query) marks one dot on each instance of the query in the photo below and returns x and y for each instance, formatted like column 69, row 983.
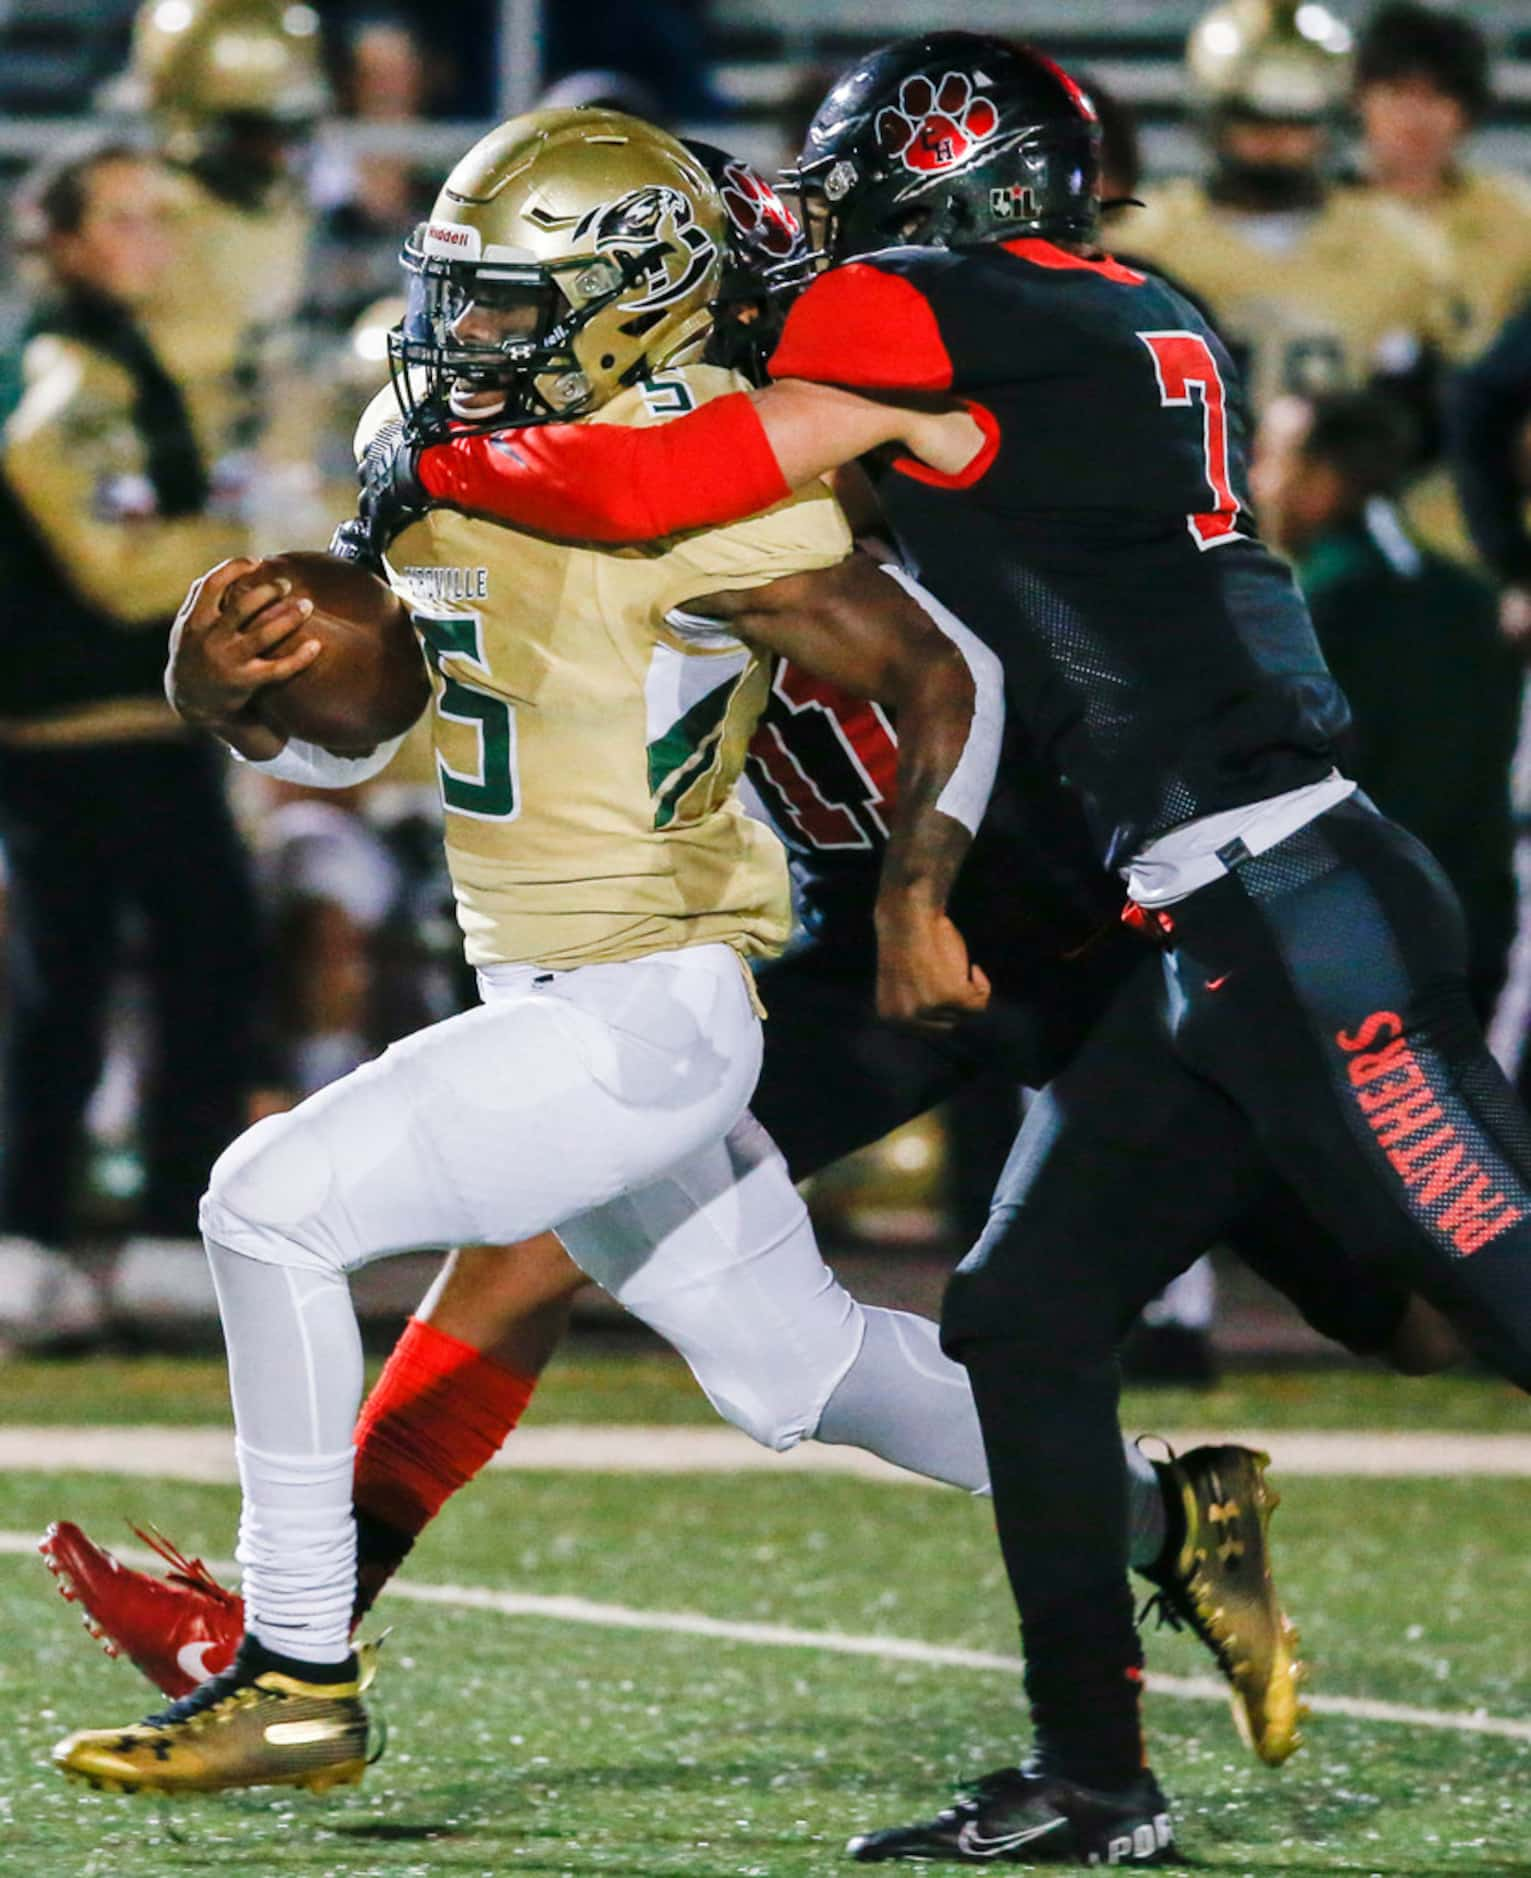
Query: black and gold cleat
column 256, row 1725
column 1219, row 1585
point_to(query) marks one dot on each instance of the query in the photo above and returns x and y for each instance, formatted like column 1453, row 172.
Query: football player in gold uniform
column 591, row 711
column 1314, row 287
column 233, row 89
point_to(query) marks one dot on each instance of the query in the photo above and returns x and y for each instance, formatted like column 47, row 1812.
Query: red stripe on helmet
column 1078, row 96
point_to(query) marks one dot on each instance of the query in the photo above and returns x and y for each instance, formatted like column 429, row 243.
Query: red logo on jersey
column 935, row 127
column 759, row 215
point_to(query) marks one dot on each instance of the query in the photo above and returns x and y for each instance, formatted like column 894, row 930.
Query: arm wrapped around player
column 613, row 483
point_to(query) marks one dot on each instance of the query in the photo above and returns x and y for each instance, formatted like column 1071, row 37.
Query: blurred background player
column 113, row 815
column 233, row 91
column 1411, row 637
column 1313, row 287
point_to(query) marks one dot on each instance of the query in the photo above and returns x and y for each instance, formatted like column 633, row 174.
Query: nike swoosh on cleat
column 972, row 1842
column 1216, row 984
column 191, row 1658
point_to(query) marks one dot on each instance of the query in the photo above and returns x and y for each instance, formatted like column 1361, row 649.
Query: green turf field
column 541, row 1745
column 630, row 1381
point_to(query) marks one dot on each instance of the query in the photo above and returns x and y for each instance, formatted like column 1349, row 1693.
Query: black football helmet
column 949, row 140
column 766, row 263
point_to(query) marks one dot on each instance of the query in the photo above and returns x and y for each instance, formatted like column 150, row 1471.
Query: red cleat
column 177, row 1630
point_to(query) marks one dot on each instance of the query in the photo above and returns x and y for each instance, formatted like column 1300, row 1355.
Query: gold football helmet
column 198, row 60
column 570, row 253
column 1284, row 60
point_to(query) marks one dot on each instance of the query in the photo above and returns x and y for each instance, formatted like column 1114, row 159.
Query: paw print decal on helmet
column 935, row 127
column 759, row 216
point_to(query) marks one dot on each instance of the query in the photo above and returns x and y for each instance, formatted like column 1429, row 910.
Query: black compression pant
column 835, row 1079
column 1314, row 1004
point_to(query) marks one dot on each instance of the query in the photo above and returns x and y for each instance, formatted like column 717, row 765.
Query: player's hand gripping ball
column 368, row 681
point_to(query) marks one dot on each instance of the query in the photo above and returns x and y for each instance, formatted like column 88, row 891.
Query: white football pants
column 609, row 1102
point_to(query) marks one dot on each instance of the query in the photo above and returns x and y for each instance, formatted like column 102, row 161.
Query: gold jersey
column 1484, row 221
column 234, row 291
column 589, row 732
column 77, row 462
column 1314, row 302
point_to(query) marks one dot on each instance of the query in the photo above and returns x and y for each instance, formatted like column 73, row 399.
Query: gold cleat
column 1220, row 1586
column 253, row 1726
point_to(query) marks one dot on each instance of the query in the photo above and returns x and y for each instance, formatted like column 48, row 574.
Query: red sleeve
column 609, row 483
column 866, row 329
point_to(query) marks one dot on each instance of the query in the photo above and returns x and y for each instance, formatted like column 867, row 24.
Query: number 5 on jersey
column 493, row 794
column 1184, row 365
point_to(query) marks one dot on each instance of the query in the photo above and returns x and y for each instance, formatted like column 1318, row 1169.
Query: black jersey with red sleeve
column 1101, row 540
column 824, row 768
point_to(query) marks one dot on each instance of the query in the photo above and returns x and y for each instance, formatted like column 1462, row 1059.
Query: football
column 369, row 681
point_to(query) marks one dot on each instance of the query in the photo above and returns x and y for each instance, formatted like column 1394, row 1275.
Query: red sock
column 439, row 1413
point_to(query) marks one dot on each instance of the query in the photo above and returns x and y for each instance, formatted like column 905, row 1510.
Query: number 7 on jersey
column 1184, row 365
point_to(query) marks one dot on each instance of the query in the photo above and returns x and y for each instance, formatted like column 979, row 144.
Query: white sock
column 295, row 1375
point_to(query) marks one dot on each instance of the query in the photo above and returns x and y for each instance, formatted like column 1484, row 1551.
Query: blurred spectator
column 459, row 45
column 661, row 44
column 369, row 203
column 110, row 811
column 1411, row 637
column 1421, row 86
column 1314, row 287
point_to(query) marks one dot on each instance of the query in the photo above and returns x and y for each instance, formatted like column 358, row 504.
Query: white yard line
column 567, row 1610
column 207, row 1454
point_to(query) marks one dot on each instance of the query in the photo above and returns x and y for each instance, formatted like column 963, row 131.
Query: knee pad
column 265, row 1194
column 767, row 1370
column 776, row 1411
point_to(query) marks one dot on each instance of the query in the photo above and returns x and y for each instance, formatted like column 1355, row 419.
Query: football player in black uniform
column 1069, row 478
